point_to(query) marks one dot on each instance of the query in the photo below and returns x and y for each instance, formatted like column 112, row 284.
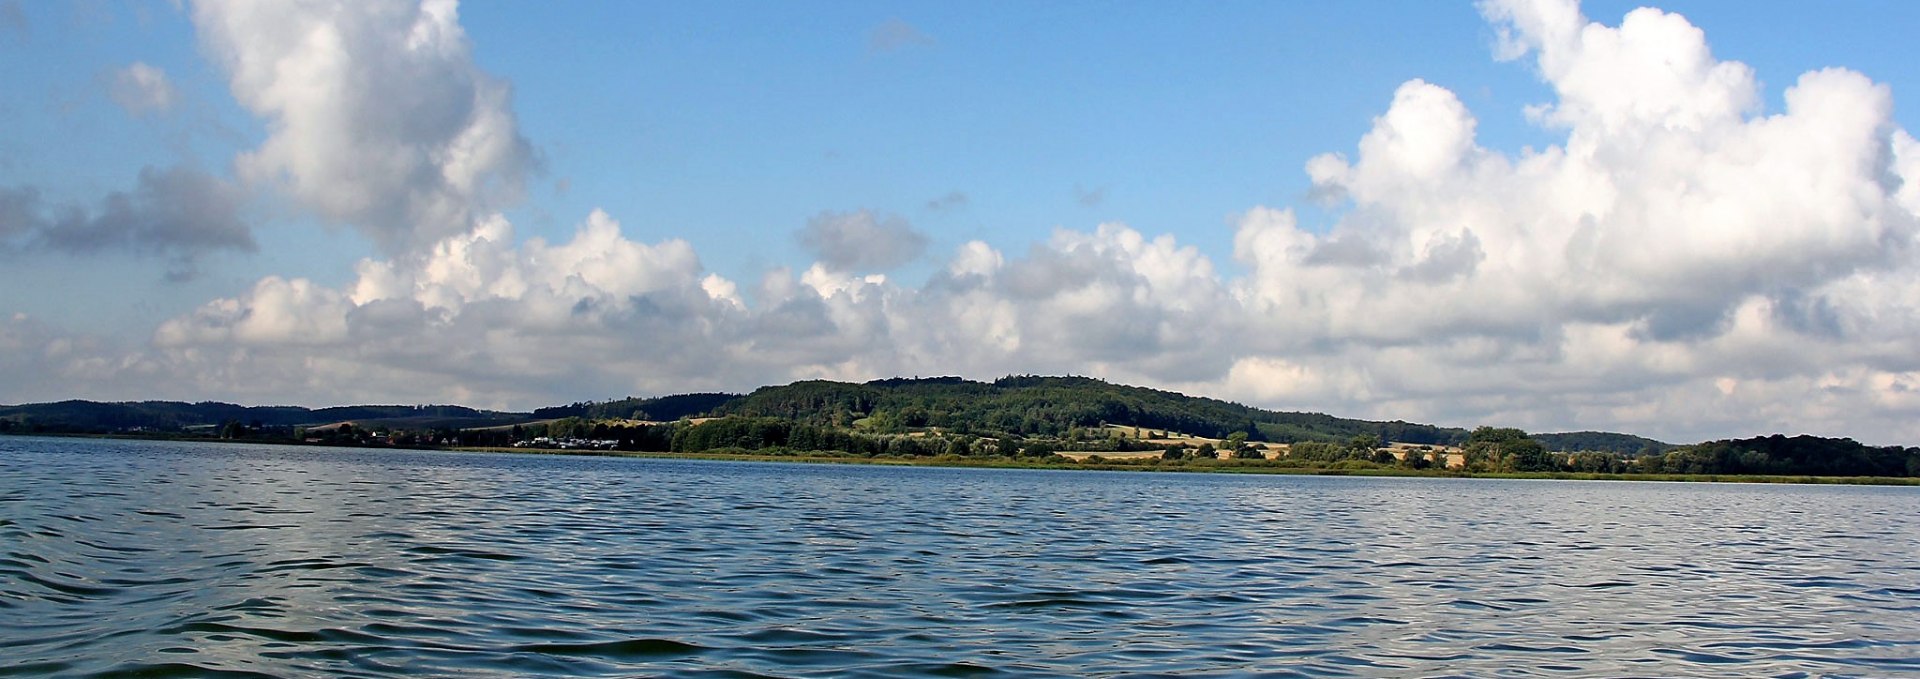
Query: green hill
column 1029, row 405
column 659, row 409
column 1602, row 442
column 174, row 416
column 1021, row 405
column 1023, row 414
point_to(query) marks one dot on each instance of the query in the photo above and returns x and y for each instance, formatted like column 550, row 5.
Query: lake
column 125, row 558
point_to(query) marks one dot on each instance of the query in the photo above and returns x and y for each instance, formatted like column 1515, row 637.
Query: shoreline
column 1205, row 467
column 1187, row 467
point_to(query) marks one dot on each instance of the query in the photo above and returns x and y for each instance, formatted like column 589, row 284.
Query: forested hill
column 1018, row 413
column 1024, row 405
column 1602, row 442
column 174, row 416
column 662, row 409
column 1030, row 405
column 1050, row 406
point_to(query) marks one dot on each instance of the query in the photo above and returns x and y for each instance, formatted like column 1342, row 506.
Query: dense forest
column 659, row 409
column 1777, row 454
column 1031, row 406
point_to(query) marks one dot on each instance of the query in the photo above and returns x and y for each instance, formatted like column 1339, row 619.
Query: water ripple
column 169, row 559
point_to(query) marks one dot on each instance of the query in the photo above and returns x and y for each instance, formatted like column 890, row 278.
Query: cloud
column 845, row 241
column 954, row 200
column 476, row 319
column 1695, row 238
column 1682, row 263
column 142, row 89
column 176, row 212
column 894, row 35
column 479, row 319
column 376, row 114
column 1089, row 197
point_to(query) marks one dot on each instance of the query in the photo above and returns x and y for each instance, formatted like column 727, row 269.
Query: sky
column 1689, row 222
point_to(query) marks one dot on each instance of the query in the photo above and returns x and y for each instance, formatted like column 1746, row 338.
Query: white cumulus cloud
column 377, row 116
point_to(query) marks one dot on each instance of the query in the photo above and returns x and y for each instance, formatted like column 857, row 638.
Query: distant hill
column 175, row 416
column 1602, row 442
column 1022, row 414
column 1030, row 405
column 660, row 409
column 1022, row 405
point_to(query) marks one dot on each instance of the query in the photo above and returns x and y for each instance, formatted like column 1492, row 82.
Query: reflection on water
column 193, row 559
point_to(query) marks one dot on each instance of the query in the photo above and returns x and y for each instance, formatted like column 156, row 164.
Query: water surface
column 189, row 559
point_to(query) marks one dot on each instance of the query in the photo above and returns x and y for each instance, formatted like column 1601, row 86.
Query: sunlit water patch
column 175, row 559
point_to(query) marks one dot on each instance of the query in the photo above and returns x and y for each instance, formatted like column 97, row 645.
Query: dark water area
column 177, row 559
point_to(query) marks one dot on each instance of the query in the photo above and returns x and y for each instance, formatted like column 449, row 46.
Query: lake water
column 178, row 559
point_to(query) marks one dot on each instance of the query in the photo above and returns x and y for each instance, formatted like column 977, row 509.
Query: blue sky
column 873, row 154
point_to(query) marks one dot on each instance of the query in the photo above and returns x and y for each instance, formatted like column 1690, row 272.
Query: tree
column 1361, row 446
column 1237, row 442
column 1504, row 449
column 1318, row 451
